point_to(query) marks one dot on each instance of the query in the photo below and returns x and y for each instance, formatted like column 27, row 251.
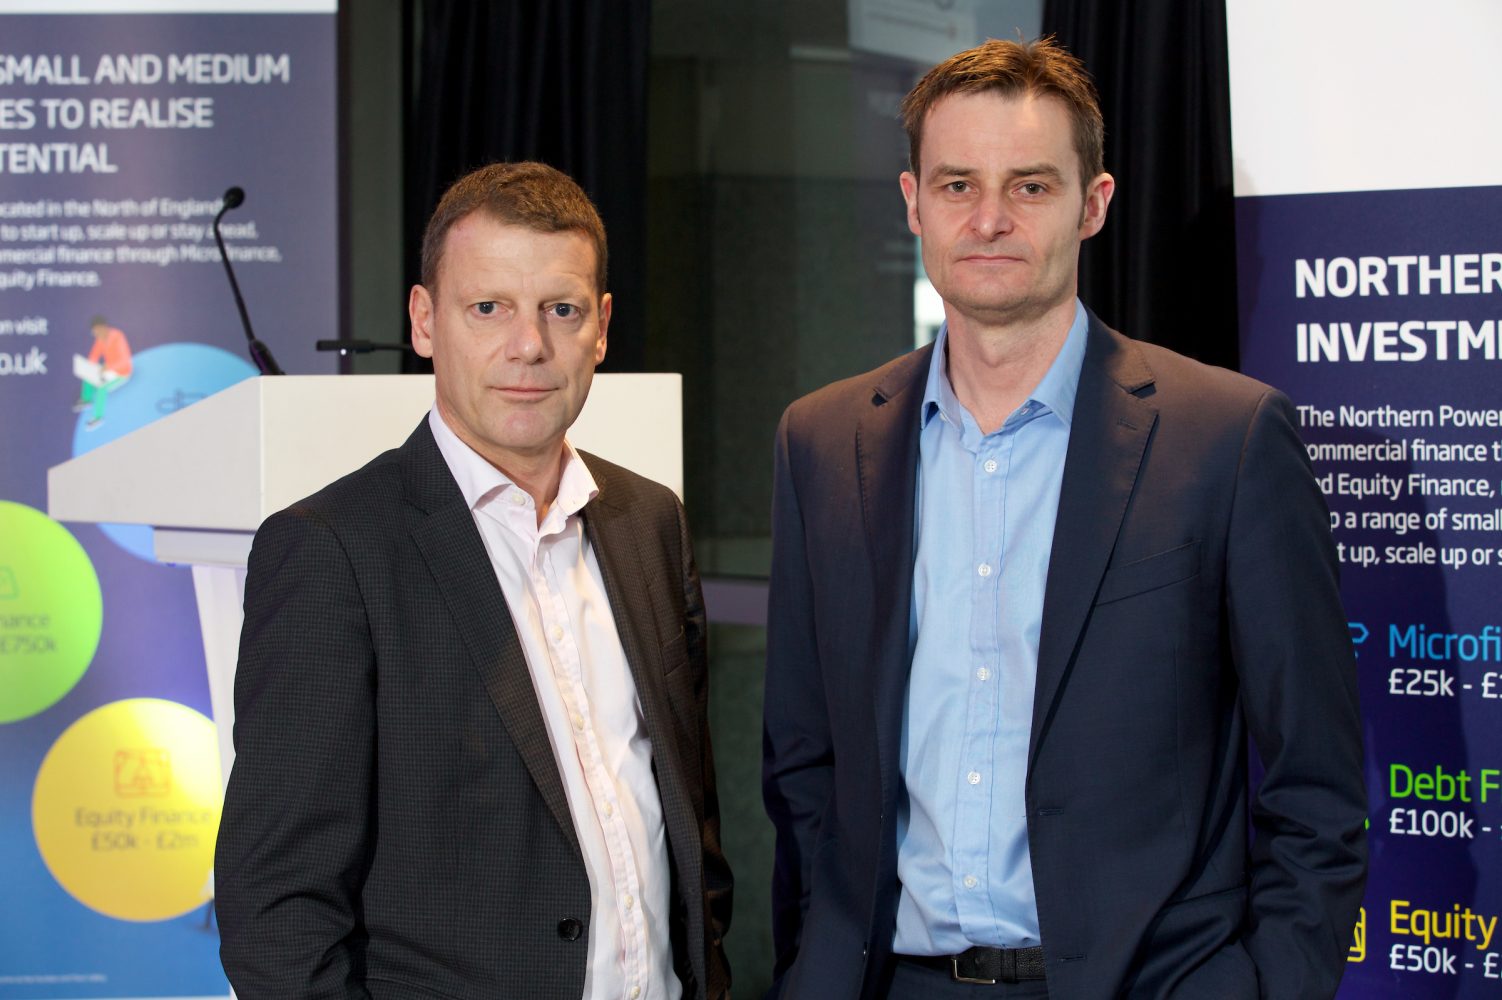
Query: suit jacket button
column 570, row 929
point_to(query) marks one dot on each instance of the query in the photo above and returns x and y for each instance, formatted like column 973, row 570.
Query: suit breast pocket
column 1150, row 573
column 675, row 652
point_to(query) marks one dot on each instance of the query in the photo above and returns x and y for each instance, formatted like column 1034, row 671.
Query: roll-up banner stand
column 122, row 124
column 1368, row 161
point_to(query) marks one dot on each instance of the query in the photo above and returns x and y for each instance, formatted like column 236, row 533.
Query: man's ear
column 1097, row 200
column 420, row 312
column 909, row 183
column 605, row 303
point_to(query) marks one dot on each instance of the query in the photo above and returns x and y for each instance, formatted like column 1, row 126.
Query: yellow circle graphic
column 126, row 809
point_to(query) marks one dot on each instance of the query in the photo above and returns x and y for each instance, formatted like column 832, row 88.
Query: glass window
column 779, row 259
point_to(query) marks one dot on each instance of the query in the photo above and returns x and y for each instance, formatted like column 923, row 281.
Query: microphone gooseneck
column 259, row 352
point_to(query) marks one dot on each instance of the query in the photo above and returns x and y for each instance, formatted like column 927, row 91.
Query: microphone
column 259, row 352
column 358, row 346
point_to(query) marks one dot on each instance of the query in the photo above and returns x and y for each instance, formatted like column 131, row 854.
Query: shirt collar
column 1055, row 393
column 480, row 482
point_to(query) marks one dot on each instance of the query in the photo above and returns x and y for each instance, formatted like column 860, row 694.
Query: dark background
column 744, row 158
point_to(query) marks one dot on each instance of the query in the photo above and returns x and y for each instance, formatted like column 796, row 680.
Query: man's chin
column 527, row 433
column 998, row 307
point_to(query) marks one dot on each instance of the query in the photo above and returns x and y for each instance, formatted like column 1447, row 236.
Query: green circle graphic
column 50, row 611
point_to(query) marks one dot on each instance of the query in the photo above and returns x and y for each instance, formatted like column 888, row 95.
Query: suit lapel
column 638, row 603
column 1107, row 440
column 886, row 445
column 635, row 597
column 450, row 543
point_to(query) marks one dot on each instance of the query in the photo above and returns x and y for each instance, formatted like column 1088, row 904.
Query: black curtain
column 560, row 81
column 1164, row 268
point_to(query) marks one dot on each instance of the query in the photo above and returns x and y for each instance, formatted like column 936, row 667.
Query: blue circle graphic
column 163, row 380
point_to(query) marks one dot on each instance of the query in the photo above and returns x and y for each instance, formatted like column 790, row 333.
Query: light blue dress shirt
column 986, row 506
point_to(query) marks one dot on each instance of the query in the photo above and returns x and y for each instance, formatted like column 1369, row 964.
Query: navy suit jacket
column 1192, row 601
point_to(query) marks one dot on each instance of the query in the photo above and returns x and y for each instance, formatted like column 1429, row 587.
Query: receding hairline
column 484, row 211
column 1040, row 68
column 526, row 193
column 1037, row 168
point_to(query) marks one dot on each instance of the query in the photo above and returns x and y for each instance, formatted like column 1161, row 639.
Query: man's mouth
column 524, row 391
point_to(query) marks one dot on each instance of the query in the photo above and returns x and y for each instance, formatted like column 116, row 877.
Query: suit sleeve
column 718, row 883
column 797, row 747
column 1297, row 671
column 296, row 833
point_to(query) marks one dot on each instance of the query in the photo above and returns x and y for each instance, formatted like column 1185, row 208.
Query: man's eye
column 485, row 308
column 958, row 187
column 564, row 310
column 1032, row 187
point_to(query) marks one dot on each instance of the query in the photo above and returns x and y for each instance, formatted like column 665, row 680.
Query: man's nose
column 527, row 341
column 992, row 216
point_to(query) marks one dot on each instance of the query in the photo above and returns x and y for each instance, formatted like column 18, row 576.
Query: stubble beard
column 1009, row 309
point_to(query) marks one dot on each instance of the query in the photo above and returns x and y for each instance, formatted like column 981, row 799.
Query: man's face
column 1000, row 207
column 99, row 330
column 515, row 329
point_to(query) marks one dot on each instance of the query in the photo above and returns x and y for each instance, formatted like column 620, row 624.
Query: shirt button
column 990, row 465
column 517, row 498
column 609, row 809
column 635, row 992
column 555, row 632
column 630, row 902
column 971, row 881
column 982, row 674
column 973, row 777
column 578, row 722
column 984, row 569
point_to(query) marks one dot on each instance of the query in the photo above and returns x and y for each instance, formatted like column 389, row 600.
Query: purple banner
column 1380, row 314
column 119, row 134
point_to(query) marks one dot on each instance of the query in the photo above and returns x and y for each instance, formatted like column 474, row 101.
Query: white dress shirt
column 553, row 588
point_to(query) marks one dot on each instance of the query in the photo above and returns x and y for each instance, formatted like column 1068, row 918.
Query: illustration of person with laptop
column 105, row 369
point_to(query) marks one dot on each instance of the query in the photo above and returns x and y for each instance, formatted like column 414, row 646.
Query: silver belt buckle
column 954, row 973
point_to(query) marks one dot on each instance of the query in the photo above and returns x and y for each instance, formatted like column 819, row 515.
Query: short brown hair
column 1040, row 68
column 533, row 195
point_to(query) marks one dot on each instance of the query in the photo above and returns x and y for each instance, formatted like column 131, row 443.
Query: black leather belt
column 986, row 966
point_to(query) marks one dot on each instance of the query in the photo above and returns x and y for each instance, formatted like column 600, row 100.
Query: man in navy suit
column 1032, row 590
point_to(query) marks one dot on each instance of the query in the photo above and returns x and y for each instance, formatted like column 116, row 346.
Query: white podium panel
column 205, row 477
